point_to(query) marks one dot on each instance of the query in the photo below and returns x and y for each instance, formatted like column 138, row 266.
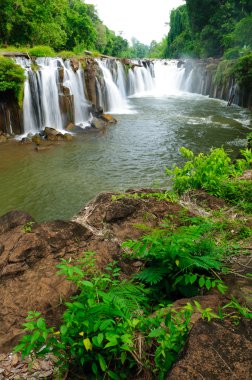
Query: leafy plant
column 11, row 77
column 216, row 174
column 27, row 227
column 180, row 261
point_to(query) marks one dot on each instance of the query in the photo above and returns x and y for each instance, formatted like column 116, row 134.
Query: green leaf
column 202, row 281
column 102, row 362
column 94, row 368
column 123, row 357
column 35, row 336
column 193, row 279
column 156, row 333
column 41, row 323
column 208, row 284
column 63, row 329
column 113, row 375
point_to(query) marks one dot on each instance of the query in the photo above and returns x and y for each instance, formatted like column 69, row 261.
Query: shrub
column 42, row 51
column 215, row 173
column 178, row 262
column 12, row 77
column 243, row 70
column 65, row 54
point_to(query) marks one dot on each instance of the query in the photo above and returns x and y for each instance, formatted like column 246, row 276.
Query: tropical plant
column 178, row 261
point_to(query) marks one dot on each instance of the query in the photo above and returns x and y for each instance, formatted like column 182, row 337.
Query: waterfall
column 75, row 82
column 168, row 78
column 116, row 98
column 54, row 94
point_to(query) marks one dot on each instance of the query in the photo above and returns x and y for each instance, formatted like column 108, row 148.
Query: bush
column 216, row 174
column 42, row 51
column 66, row 54
column 12, row 77
column 243, row 70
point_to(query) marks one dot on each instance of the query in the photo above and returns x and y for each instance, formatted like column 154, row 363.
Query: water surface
column 56, row 183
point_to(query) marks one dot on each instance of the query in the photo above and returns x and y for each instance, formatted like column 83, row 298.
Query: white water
column 116, row 99
column 41, row 95
column 75, row 82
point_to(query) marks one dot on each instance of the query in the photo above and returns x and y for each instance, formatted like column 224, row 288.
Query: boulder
column 37, row 139
column 68, row 137
column 216, row 350
column 98, row 123
column 109, row 118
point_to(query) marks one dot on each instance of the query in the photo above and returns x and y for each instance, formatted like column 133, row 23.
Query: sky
column 143, row 19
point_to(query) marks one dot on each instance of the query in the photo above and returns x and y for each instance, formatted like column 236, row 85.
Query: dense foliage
column 11, row 77
column 209, row 27
column 60, row 24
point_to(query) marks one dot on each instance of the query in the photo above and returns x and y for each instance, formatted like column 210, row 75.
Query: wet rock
column 70, row 127
column 74, row 64
column 37, row 139
column 98, row 123
column 216, row 350
column 61, row 72
column 51, row 131
column 68, row 137
column 109, row 118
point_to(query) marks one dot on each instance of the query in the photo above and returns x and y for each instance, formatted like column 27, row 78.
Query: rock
column 61, row 72
column 28, row 269
column 120, row 210
column 68, row 137
column 109, row 118
column 13, row 219
column 98, row 123
column 216, row 350
column 1, row 248
column 66, row 90
column 51, row 132
column 74, row 64
column 70, row 127
column 37, row 139
column 3, row 139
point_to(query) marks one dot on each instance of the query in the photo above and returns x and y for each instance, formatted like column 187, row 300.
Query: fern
column 153, row 274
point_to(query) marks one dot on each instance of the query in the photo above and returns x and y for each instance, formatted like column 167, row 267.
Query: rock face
column 28, row 280
column 216, row 350
column 29, row 253
column 11, row 121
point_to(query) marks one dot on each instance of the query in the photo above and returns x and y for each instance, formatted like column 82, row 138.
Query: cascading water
column 74, row 81
column 168, row 78
column 115, row 97
column 114, row 84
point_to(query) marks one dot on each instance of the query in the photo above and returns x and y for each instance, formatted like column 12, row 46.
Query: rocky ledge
column 29, row 253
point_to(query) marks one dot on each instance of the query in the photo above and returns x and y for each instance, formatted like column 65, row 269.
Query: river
column 56, row 183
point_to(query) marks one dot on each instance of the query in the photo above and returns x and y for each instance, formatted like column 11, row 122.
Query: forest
column 70, row 25
column 209, row 28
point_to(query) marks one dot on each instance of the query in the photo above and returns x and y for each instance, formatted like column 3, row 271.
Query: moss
column 12, row 78
column 224, row 72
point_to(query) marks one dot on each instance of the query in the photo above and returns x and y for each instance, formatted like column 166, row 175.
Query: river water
column 56, row 183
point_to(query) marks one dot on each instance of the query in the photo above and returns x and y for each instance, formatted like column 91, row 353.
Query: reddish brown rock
column 216, row 350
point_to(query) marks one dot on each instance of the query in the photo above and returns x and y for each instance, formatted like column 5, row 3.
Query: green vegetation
column 11, row 78
column 116, row 326
column 42, row 51
column 216, row 174
column 209, row 28
column 60, row 24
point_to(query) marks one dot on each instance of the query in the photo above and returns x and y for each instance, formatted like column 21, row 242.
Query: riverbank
column 31, row 251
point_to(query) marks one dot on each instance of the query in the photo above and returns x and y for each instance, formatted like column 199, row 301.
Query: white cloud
column 142, row 19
